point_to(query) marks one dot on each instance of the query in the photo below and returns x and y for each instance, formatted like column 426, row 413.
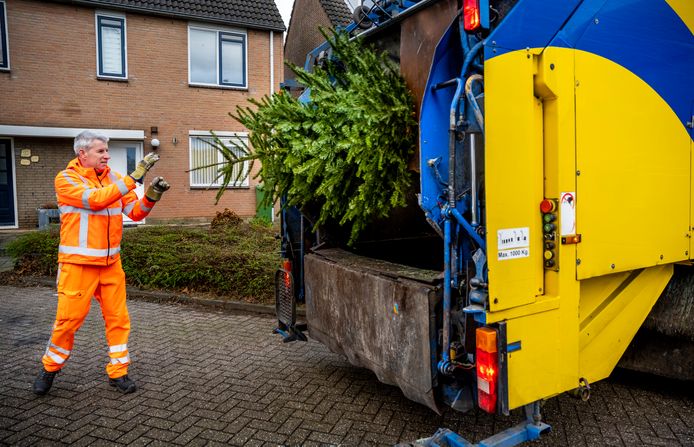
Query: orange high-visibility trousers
column 77, row 284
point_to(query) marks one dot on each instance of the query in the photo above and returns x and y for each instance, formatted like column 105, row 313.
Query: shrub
column 36, row 253
column 233, row 261
column 225, row 218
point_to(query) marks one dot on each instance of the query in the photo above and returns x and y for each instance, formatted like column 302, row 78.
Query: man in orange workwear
column 92, row 199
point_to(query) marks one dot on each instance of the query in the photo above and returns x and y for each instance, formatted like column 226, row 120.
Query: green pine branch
column 344, row 153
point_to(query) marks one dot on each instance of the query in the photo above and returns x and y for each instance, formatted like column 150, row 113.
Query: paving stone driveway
column 214, row 378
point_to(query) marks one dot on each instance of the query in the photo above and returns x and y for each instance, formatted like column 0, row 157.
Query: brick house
column 138, row 70
column 303, row 34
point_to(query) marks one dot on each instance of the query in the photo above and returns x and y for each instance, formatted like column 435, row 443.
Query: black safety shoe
column 123, row 384
column 44, row 381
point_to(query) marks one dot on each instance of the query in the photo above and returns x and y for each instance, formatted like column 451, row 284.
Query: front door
column 124, row 156
column 7, row 211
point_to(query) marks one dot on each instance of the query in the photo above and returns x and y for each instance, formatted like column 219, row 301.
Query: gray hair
column 85, row 139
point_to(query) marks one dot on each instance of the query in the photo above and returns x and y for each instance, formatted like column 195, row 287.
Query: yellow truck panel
column 536, row 369
column 633, row 193
column 613, row 308
column 514, row 154
column 579, row 326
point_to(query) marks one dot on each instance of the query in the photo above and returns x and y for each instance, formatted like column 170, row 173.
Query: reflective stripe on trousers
column 119, row 354
column 56, row 353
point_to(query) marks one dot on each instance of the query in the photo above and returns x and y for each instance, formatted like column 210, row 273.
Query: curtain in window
column 202, row 153
column 112, row 47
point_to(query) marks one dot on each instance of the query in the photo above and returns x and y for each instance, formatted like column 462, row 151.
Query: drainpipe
column 272, row 63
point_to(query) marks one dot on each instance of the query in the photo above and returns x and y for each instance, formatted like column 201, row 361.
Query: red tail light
column 487, row 368
column 287, row 267
column 471, row 15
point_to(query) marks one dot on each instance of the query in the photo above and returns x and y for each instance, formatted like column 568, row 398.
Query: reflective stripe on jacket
column 91, row 223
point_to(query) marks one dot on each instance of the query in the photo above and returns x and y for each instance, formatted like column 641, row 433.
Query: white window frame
column 244, row 183
column 218, row 68
column 5, row 44
column 139, row 188
column 124, row 45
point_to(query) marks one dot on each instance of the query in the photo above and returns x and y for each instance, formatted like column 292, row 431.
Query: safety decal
column 513, row 243
column 567, row 213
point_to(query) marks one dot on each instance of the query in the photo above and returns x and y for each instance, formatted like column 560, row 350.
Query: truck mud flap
column 380, row 315
column 285, row 308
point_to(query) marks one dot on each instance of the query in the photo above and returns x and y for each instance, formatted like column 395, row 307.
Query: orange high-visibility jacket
column 91, row 207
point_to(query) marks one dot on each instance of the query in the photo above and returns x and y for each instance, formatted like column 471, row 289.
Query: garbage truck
column 554, row 200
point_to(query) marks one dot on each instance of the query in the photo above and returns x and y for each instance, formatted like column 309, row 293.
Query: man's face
column 96, row 156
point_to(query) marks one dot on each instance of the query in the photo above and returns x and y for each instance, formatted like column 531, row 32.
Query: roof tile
column 261, row 14
column 338, row 12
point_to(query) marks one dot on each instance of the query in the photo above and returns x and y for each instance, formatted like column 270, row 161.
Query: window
column 203, row 153
column 4, row 48
column 111, row 46
column 216, row 57
column 130, row 154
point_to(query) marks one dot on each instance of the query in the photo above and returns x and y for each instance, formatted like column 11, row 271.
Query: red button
column 547, row 206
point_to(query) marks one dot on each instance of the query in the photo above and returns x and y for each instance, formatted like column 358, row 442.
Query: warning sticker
column 567, row 208
column 513, row 243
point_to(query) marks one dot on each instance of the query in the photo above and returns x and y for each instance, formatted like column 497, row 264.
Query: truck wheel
column 361, row 17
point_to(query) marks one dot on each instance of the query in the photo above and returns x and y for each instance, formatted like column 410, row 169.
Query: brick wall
column 35, row 181
column 303, row 34
column 53, row 83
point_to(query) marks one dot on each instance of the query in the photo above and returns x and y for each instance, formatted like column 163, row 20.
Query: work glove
column 157, row 188
column 143, row 166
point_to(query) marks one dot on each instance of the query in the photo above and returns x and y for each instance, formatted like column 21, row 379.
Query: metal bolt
column 596, row 21
column 578, row 262
column 578, row 172
column 686, row 253
column 661, row 257
column 496, row 300
column 577, row 83
column 540, row 290
column 612, row 266
column 551, row 66
column 494, row 42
